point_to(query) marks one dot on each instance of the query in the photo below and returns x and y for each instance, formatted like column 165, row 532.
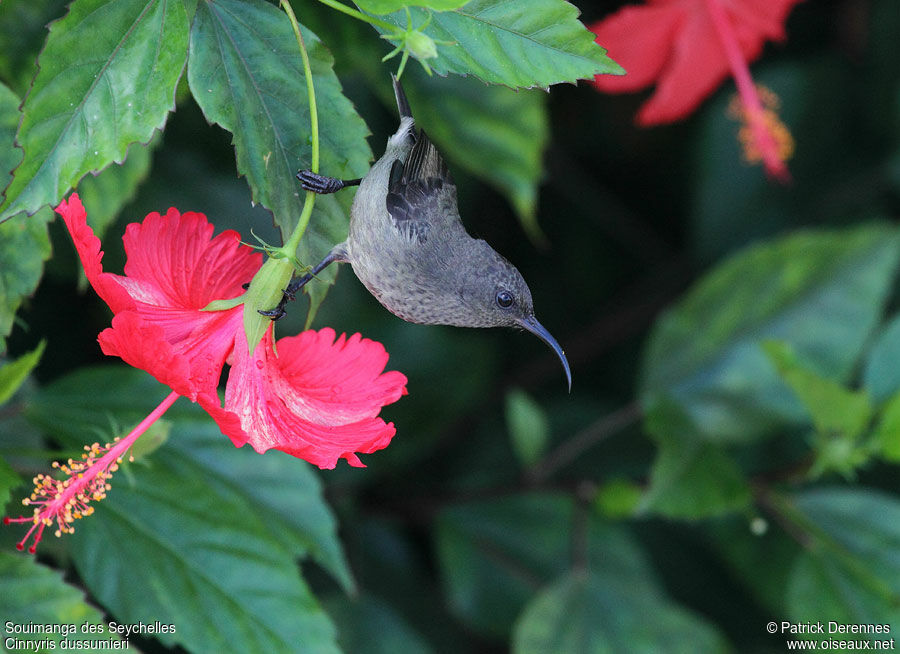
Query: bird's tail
column 402, row 102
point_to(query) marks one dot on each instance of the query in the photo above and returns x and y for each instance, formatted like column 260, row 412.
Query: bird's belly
column 393, row 285
column 398, row 281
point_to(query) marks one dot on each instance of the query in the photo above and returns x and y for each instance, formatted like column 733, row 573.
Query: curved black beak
column 531, row 324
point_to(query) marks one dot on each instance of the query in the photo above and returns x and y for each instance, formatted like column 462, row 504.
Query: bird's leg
column 322, row 184
column 297, row 283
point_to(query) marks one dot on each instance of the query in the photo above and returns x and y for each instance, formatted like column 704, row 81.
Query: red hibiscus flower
column 318, row 398
column 688, row 47
column 324, row 393
column 173, row 270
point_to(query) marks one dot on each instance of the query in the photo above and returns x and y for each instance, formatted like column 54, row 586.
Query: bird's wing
column 421, row 192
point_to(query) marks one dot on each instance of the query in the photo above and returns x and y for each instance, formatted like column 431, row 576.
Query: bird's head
column 495, row 294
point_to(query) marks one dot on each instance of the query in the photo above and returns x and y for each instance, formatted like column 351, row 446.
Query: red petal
column 144, row 346
column 337, row 380
column 317, row 400
column 640, row 39
column 107, row 285
column 173, row 263
column 174, row 269
column 696, row 69
column 673, row 43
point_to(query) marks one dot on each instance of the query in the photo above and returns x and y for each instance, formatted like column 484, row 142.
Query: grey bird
column 409, row 248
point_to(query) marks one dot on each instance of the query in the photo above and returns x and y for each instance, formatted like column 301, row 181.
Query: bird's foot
column 297, row 283
column 279, row 311
column 287, row 295
column 322, row 184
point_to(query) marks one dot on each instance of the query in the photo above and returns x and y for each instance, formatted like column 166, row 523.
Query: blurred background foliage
column 727, row 455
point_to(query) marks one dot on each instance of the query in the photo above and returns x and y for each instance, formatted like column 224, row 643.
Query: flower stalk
column 294, row 241
column 266, row 287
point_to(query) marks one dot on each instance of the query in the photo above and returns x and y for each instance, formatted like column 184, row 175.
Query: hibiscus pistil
column 63, row 501
column 687, row 48
column 764, row 137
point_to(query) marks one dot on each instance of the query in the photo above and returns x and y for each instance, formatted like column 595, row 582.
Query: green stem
column 294, row 241
column 372, row 20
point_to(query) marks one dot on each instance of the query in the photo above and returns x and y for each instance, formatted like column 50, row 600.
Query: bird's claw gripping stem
column 287, row 295
column 297, row 283
column 322, row 184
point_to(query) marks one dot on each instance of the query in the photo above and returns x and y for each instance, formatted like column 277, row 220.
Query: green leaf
column 757, row 554
column 490, row 131
column 832, row 407
column 32, row 593
column 106, row 79
column 881, row 375
column 839, row 414
column 518, row 44
column 886, row 435
column 286, row 494
column 590, row 613
column 820, row 291
column 849, row 571
column 14, row 373
column 206, row 547
column 215, row 526
column 617, row 498
column 246, row 74
column 24, row 244
column 692, row 479
column 380, row 7
column 368, row 625
column 528, row 426
column 10, row 156
column 491, row 567
column 9, row 480
column 105, row 194
column 23, row 27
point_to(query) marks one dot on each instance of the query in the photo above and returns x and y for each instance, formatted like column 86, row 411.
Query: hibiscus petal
column 174, row 269
column 640, row 39
column 674, row 43
column 336, row 380
column 317, row 399
column 144, row 346
column 173, row 261
column 696, row 69
column 107, row 285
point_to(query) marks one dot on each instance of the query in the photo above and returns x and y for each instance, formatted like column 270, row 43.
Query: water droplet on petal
column 336, row 390
column 260, row 364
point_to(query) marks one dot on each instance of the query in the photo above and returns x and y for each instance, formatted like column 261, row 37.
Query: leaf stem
column 372, row 20
column 294, row 241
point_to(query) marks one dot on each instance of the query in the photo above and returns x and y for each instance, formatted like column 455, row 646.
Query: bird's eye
column 505, row 299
